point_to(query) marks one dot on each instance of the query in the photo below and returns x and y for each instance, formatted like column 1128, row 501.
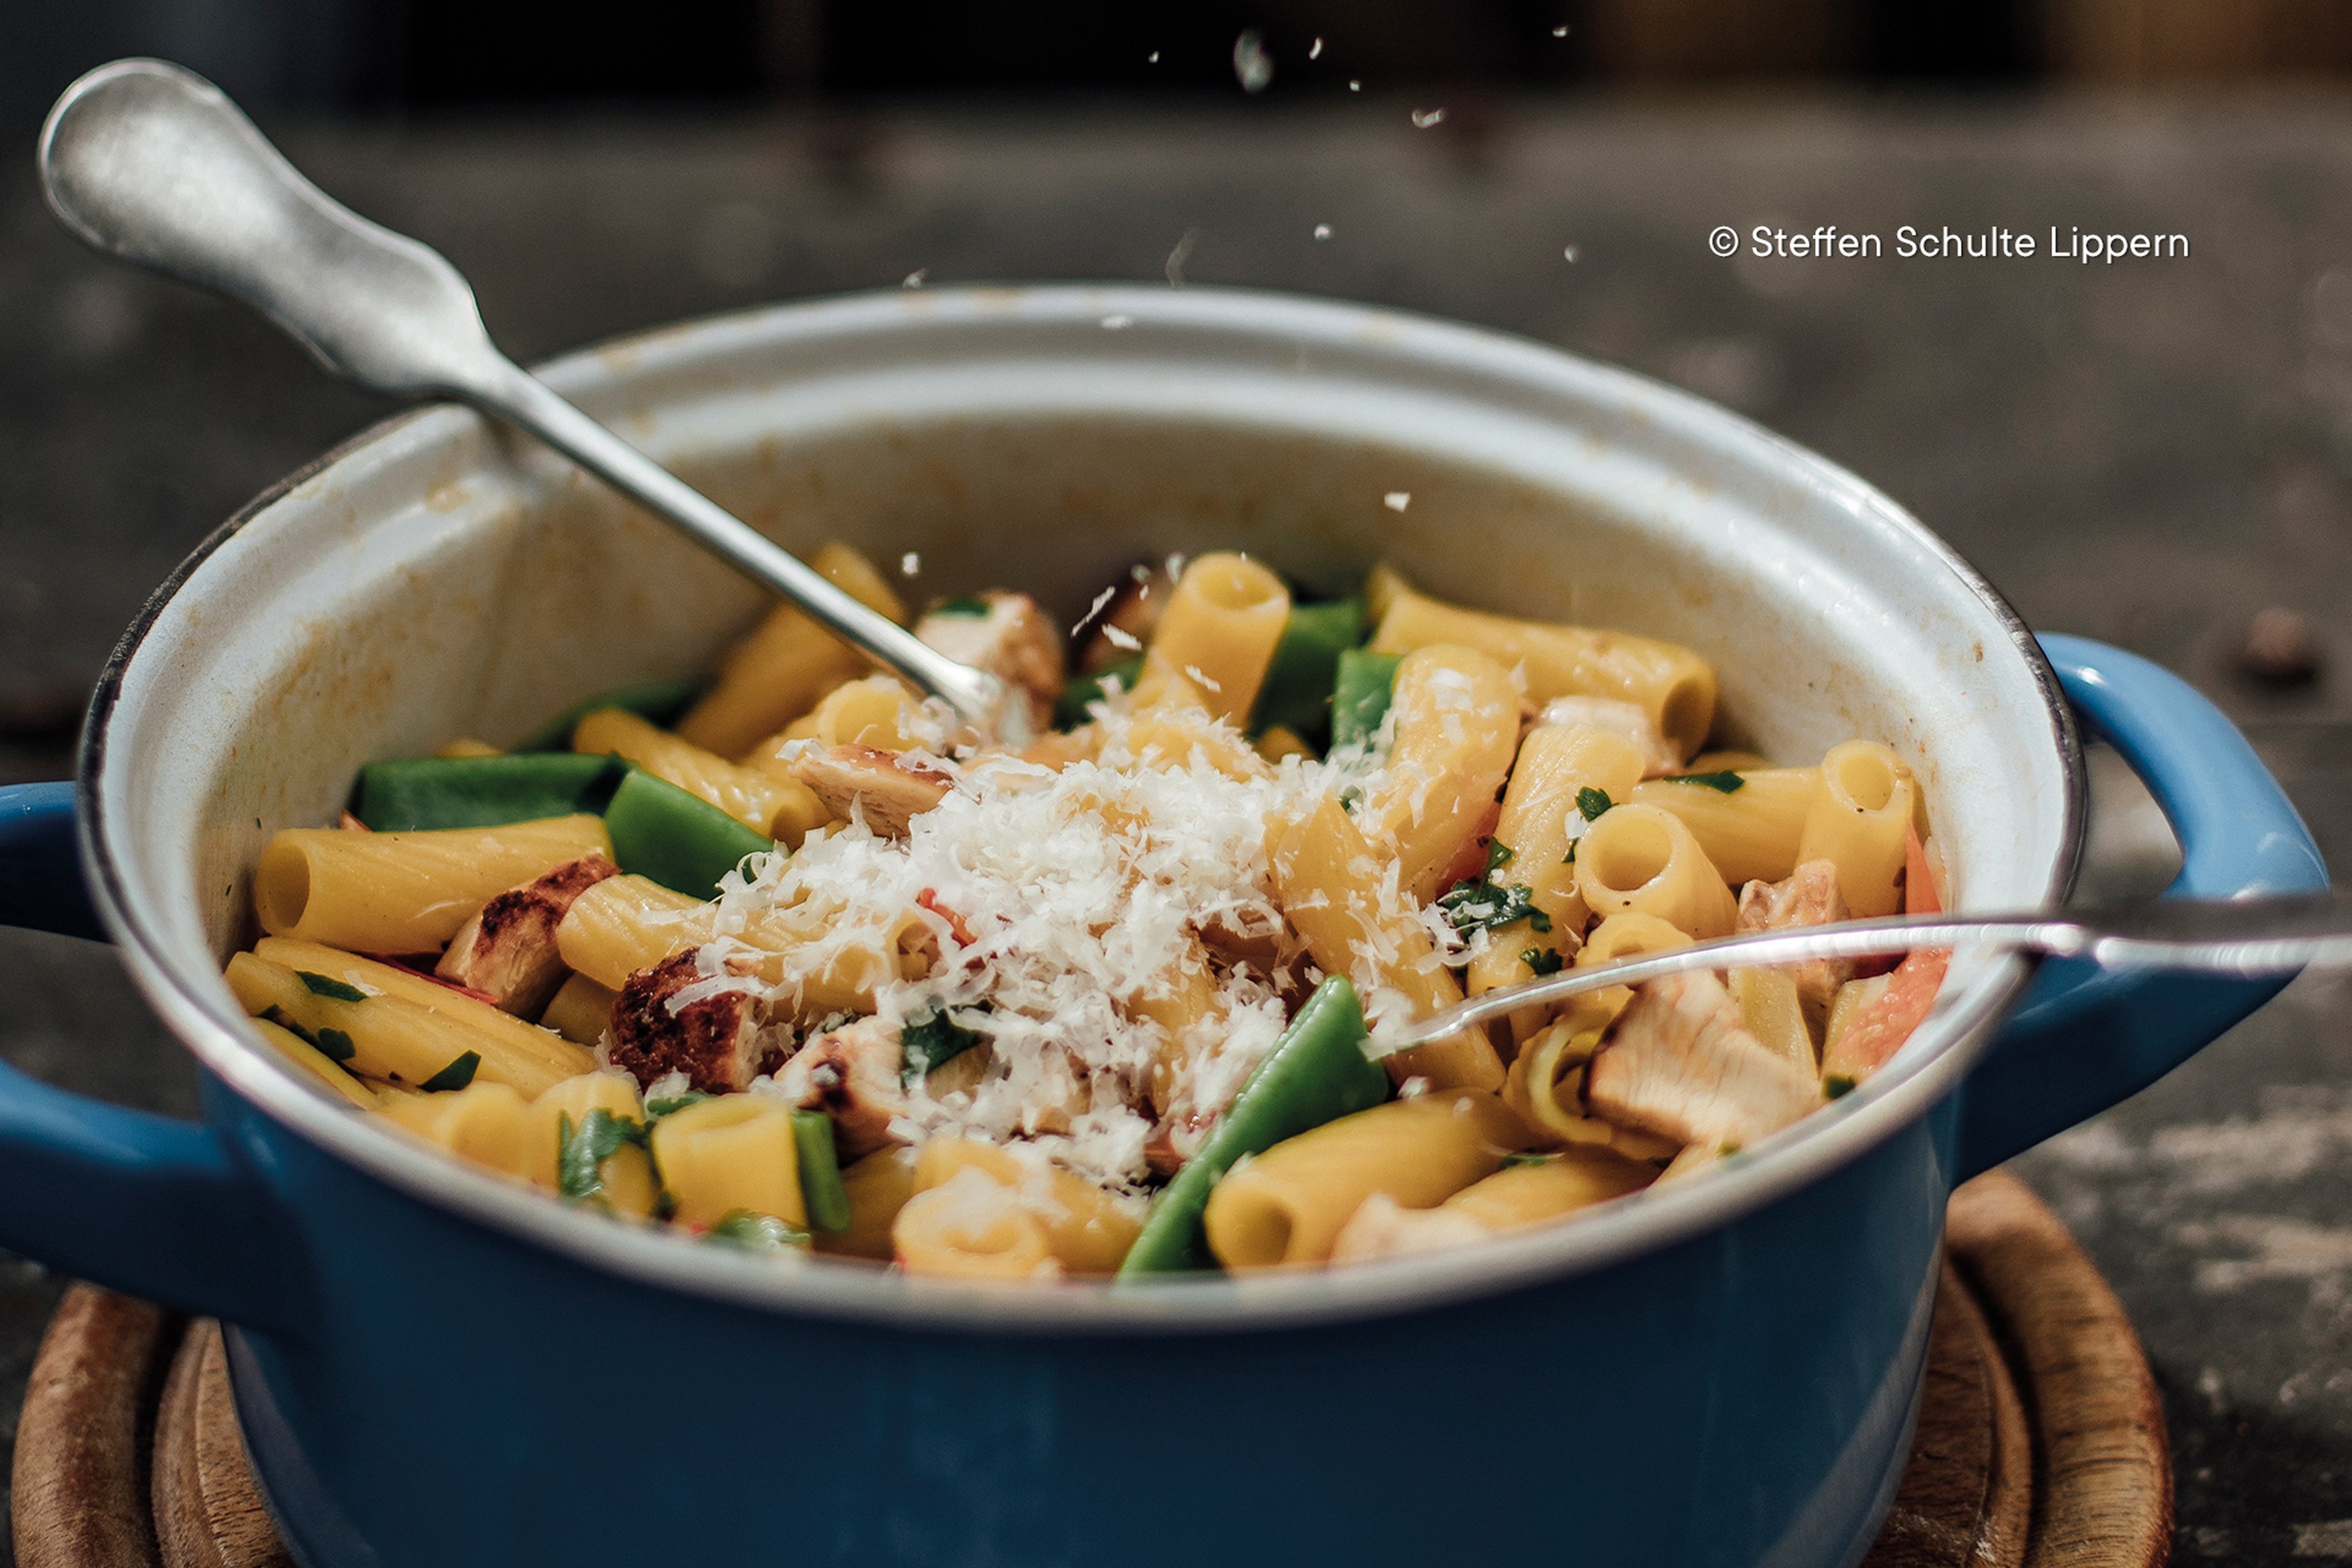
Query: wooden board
column 2041, row 1441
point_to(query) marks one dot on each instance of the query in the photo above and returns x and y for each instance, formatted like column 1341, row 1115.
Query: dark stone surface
column 2149, row 452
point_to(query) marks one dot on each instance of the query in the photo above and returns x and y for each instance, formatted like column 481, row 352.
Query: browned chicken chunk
column 853, row 1076
column 714, row 1041
column 1015, row 641
column 889, row 789
column 1678, row 1062
column 508, row 951
column 1808, row 896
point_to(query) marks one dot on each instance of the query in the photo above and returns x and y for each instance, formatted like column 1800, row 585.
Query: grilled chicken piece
column 1630, row 720
column 508, row 951
column 715, row 1041
column 1678, row 1062
column 1382, row 1227
column 1128, row 621
column 1808, row 896
column 889, row 788
column 1016, row 641
column 853, row 1076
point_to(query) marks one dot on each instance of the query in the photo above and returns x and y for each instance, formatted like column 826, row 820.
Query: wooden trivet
column 2041, row 1443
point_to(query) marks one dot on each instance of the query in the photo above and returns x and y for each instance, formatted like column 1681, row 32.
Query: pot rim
column 1921, row 1075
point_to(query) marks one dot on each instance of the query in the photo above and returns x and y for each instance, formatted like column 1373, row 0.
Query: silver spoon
column 2234, row 936
column 149, row 162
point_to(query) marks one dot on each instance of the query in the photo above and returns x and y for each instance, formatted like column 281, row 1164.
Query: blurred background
column 2157, row 453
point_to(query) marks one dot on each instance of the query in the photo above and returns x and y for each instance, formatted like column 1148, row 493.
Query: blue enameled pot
column 434, row 1368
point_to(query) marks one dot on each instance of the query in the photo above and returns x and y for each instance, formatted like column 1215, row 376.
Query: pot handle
column 2083, row 1038
column 162, row 1208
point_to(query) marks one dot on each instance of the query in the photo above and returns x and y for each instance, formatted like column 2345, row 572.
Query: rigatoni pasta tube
column 623, row 924
column 581, row 1011
column 878, row 1187
column 1287, row 1206
column 1217, row 637
column 878, row 712
column 780, row 807
column 625, row 1178
column 397, row 1040
column 1641, row 859
column 970, row 1227
column 1675, row 685
column 1529, row 1194
column 1556, row 762
column 1456, row 717
column 780, row 669
column 1087, row 1229
column 736, row 1152
column 1326, row 880
column 487, row 1123
column 405, row 892
column 1751, row 833
column 1857, row 823
column 315, row 1062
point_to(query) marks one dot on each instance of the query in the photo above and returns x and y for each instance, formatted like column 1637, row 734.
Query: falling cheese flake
column 1322, row 231
column 1396, row 500
column 1180, row 256
column 915, row 279
column 1558, row 32
column 1423, row 119
column 909, row 563
column 1105, row 597
column 1314, row 49
column 1153, row 59
column 1118, row 323
column 1252, row 67
column 1120, row 638
column 1569, row 253
column 1354, row 86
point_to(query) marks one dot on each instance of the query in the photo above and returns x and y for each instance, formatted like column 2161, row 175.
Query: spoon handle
column 516, row 396
column 2233, row 936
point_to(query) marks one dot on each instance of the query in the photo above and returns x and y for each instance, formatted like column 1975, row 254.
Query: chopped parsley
column 581, row 1152
column 756, row 1232
column 1498, row 855
column 1592, row 803
column 456, row 1075
column 336, row 1045
column 968, row 606
column 285, row 1020
column 1485, row 906
column 931, row 1041
column 1837, row 1085
column 671, row 1104
column 1727, row 781
column 324, row 985
column 1569, row 859
column 1542, row 960
column 1512, row 1162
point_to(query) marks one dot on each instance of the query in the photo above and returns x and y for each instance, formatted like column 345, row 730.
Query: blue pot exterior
column 1740, row 1398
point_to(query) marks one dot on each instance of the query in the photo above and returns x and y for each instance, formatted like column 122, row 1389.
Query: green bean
column 1070, row 708
column 822, row 1193
column 1296, row 693
column 659, row 702
column 1359, row 695
column 1316, row 1072
column 482, row 792
column 677, row 839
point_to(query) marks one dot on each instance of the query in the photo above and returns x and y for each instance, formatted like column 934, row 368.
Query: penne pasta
column 736, row 1152
column 623, row 924
column 571, row 1154
column 1215, row 637
column 878, row 712
column 1673, row 684
column 486, row 1124
column 317, row 1063
column 405, row 892
column 1085, row 1229
column 783, row 808
column 1287, row 1205
column 1858, row 823
column 778, row 672
column 1456, row 717
column 1751, row 833
column 1523, row 1195
column 1643, row 860
column 581, row 1011
column 878, row 1187
column 970, row 1227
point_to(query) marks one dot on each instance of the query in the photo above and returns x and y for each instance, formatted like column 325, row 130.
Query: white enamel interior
column 441, row 578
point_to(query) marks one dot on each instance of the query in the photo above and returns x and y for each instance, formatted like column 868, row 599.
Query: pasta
column 826, row 972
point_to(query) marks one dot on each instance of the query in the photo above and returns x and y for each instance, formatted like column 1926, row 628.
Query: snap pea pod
column 482, row 792
column 1316, row 1072
column 822, row 1193
column 1070, row 707
column 1297, row 692
column 1359, row 694
column 658, row 702
column 677, row 839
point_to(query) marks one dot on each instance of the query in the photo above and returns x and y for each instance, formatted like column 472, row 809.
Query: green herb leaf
column 1727, row 781
column 321, row 985
column 756, row 1232
column 1498, row 855
column 1542, row 960
column 456, row 1075
column 1483, row 906
column 336, row 1045
column 1837, row 1085
column 581, row 1152
column 671, row 1104
column 967, row 606
column 1569, row 859
column 931, row 1041
column 1592, row 803
column 1512, row 1161
column 285, row 1020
